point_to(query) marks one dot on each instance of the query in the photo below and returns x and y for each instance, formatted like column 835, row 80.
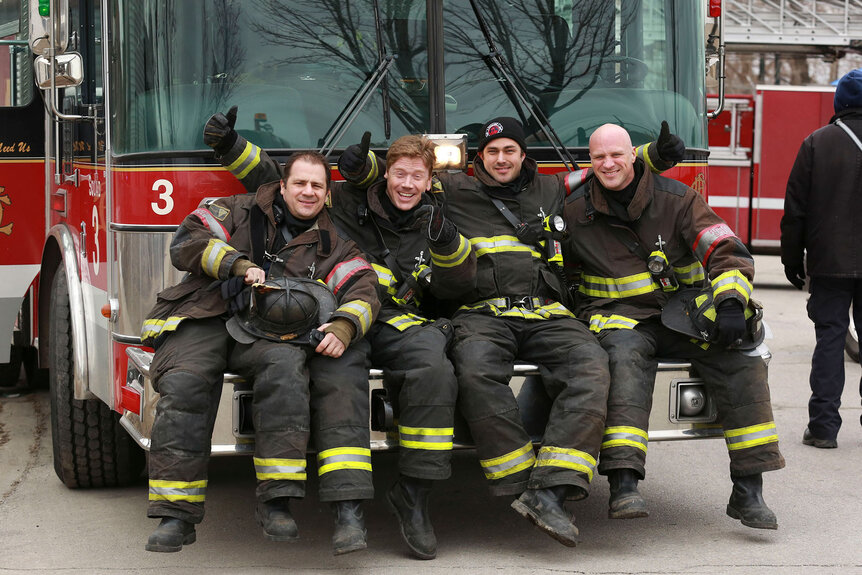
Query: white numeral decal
column 165, row 196
column 96, row 240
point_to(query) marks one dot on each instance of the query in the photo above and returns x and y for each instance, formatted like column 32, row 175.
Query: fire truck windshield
column 292, row 67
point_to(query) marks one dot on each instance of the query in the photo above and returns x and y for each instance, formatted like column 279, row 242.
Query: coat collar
column 639, row 203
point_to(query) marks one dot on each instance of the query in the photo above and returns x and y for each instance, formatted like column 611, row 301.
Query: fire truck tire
column 91, row 449
column 851, row 343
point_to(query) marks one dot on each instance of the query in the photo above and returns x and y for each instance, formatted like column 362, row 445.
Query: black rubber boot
column 746, row 503
column 171, row 535
column 544, row 507
column 809, row 439
column 625, row 501
column 349, row 527
column 275, row 518
column 408, row 500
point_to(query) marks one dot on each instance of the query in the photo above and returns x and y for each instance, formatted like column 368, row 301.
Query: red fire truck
column 753, row 144
column 103, row 155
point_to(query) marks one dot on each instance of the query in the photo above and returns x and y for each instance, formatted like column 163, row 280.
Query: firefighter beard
column 738, row 381
column 575, row 375
column 287, row 408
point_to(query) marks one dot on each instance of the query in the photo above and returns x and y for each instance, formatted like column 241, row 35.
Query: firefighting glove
column 731, row 322
column 235, row 294
column 219, row 133
column 358, row 166
column 441, row 230
column 667, row 151
column 796, row 275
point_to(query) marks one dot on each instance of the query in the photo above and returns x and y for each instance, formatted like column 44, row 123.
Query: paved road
column 47, row 528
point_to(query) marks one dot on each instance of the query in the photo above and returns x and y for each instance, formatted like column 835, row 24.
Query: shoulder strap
column 849, row 132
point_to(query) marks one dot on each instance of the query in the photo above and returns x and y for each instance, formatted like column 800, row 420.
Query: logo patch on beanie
column 492, row 129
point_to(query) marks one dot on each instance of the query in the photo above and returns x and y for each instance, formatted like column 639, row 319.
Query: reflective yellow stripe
column 751, row 436
column 339, row 458
column 690, row 274
column 154, row 327
column 454, row 259
column 624, row 436
column 274, row 468
column 247, row 160
column 500, row 244
column 360, row 310
column 596, row 286
column 372, row 173
column 567, row 458
column 732, row 281
column 497, row 306
column 510, row 463
column 191, row 491
column 385, row 278
column 213, row 254
column 598, row 322
column 402, row 322
column 427, row 438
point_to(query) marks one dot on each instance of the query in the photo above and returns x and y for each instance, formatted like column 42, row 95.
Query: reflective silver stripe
column 623, row 436
column 213, row 254
column 751, row 436
column 402, row 322
column 732, row 280
column 212, row 224
column 599, row 322
column 428, row 438
column 510, row 463
column 690, row 274
column 361, row 311
column 153, row 327
column 192, row 491
column 357, row 458
column 385, row 278
column 615, row 288
column 454, row 259
column 275, row 468
column 708, row 239
column 498, row 244
column 247, row 160
column 567, row 458
column 344, row 271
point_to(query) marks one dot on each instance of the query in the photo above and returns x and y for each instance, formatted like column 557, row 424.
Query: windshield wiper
column 381, row 53
column 517, row 91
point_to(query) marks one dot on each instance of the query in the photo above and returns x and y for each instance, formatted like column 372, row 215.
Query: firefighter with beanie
column 300, row 298
column 385, row 216
column 640, row 239
column 819, row 239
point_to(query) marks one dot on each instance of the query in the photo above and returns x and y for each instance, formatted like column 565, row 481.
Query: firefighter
column 638, row 238
column 386, row 220
column 281, row 231
column 492, row 254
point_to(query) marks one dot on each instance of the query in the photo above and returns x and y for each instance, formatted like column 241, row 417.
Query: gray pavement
column 47, row 528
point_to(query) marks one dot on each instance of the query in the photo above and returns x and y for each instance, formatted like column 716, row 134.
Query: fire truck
column 102, row 104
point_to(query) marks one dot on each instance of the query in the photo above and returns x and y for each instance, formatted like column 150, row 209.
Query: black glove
column 352, row 161
column 219, row 133
column 235, row 294
column 795, row 275
column 670, row 148
column 441, row 230
column 731, row 322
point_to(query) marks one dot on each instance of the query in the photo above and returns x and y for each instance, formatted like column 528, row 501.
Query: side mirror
column 68, row 71
column 42, row 38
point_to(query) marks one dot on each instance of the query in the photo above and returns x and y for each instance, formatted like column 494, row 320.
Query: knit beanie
column 848, row 94
column 502, row 127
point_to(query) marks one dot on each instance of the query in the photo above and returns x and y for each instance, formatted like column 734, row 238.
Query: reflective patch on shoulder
column 218, row 212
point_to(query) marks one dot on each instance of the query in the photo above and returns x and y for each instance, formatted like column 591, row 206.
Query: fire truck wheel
column 851, row 343
column 91, row 449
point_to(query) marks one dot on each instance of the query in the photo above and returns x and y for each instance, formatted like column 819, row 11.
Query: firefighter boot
column 171, row 535
column 625, row 501
column 747, row 504
column 275, row 518
column 408, row 500
column 349, row 527
column 544, row 507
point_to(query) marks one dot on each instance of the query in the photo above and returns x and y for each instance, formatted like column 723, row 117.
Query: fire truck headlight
column 692, row 401
column 450, row 153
